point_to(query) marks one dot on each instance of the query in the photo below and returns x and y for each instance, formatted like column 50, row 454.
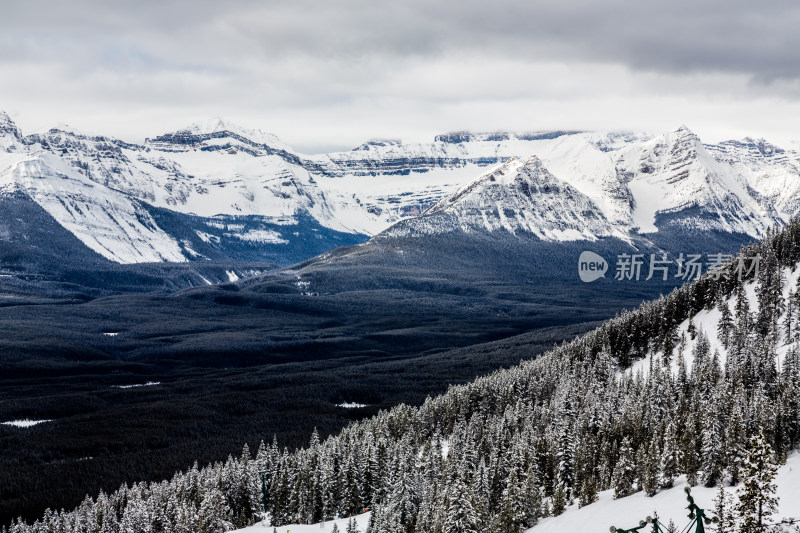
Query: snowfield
column 625, row 513
column 324, row 527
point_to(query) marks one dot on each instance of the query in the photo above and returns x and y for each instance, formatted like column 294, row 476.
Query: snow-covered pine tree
column 588, row 492
column 352, row 526
column 559, row 500
column 214, row 516
column 725, row 324
column 625, row 474
column 711, row 450
column 757, row 500
column 650, row 468
column 724, row 511
column 670, row 457
column 461, row 516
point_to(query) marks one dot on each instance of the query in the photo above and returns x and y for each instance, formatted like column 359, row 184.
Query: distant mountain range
column 216, row 191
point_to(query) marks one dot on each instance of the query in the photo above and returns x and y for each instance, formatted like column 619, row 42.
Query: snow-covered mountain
column 674, row 173
column 217, row 190
column 695, row 185
column 514, row 197
column 108, row 222
column 211, row 191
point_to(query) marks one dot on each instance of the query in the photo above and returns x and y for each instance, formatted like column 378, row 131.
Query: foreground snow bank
column 326, row 527
column 670, row 504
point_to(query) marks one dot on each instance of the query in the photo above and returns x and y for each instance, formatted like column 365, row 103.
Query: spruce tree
column 757, row 500
column 352, row 526
column 461, row 516
column 588, row 492
column 670, row 457
column 725, row 324
column 559, row 500
column 624, row 475
column 724, row 511
column 649, row 473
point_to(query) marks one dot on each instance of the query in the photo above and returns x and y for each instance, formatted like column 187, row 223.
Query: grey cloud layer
column 353, row 68
column 753, row 38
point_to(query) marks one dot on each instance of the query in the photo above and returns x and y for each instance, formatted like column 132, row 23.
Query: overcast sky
column 330, row 74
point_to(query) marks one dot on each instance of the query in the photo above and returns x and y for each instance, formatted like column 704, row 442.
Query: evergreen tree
column 670, row 457
column 588, row 493
column 724, row 511
column 352, row 526
column 461, row 516
column 214, row 515
column 725, row 324
column 650, row 467
column 757, row 500
column 624, row 475
column 711, row 446
column 559, row 500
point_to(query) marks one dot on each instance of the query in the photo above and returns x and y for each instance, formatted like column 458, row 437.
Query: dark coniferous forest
column 503, row 451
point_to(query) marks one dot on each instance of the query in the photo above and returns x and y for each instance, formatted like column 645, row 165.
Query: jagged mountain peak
column 675, row 172
column 8, row 126
column 514, row 198
column 213, row 125
column 684, row 130
column 6, row 121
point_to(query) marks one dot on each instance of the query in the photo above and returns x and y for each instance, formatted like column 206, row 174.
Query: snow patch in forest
column 351, row 405
column 323, row 527
column 135, row 385
column 24, row 422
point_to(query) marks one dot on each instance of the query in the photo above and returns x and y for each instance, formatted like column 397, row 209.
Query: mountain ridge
column 218, row 171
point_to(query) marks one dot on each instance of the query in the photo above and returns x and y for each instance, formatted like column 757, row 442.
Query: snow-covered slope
column 207, row 169
column 674, row 172
column 108, row 222
column 361, row 521
column 625, row 513
column 769, row 169
column 514, row 197
column 705, row 325
column 670, row 504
